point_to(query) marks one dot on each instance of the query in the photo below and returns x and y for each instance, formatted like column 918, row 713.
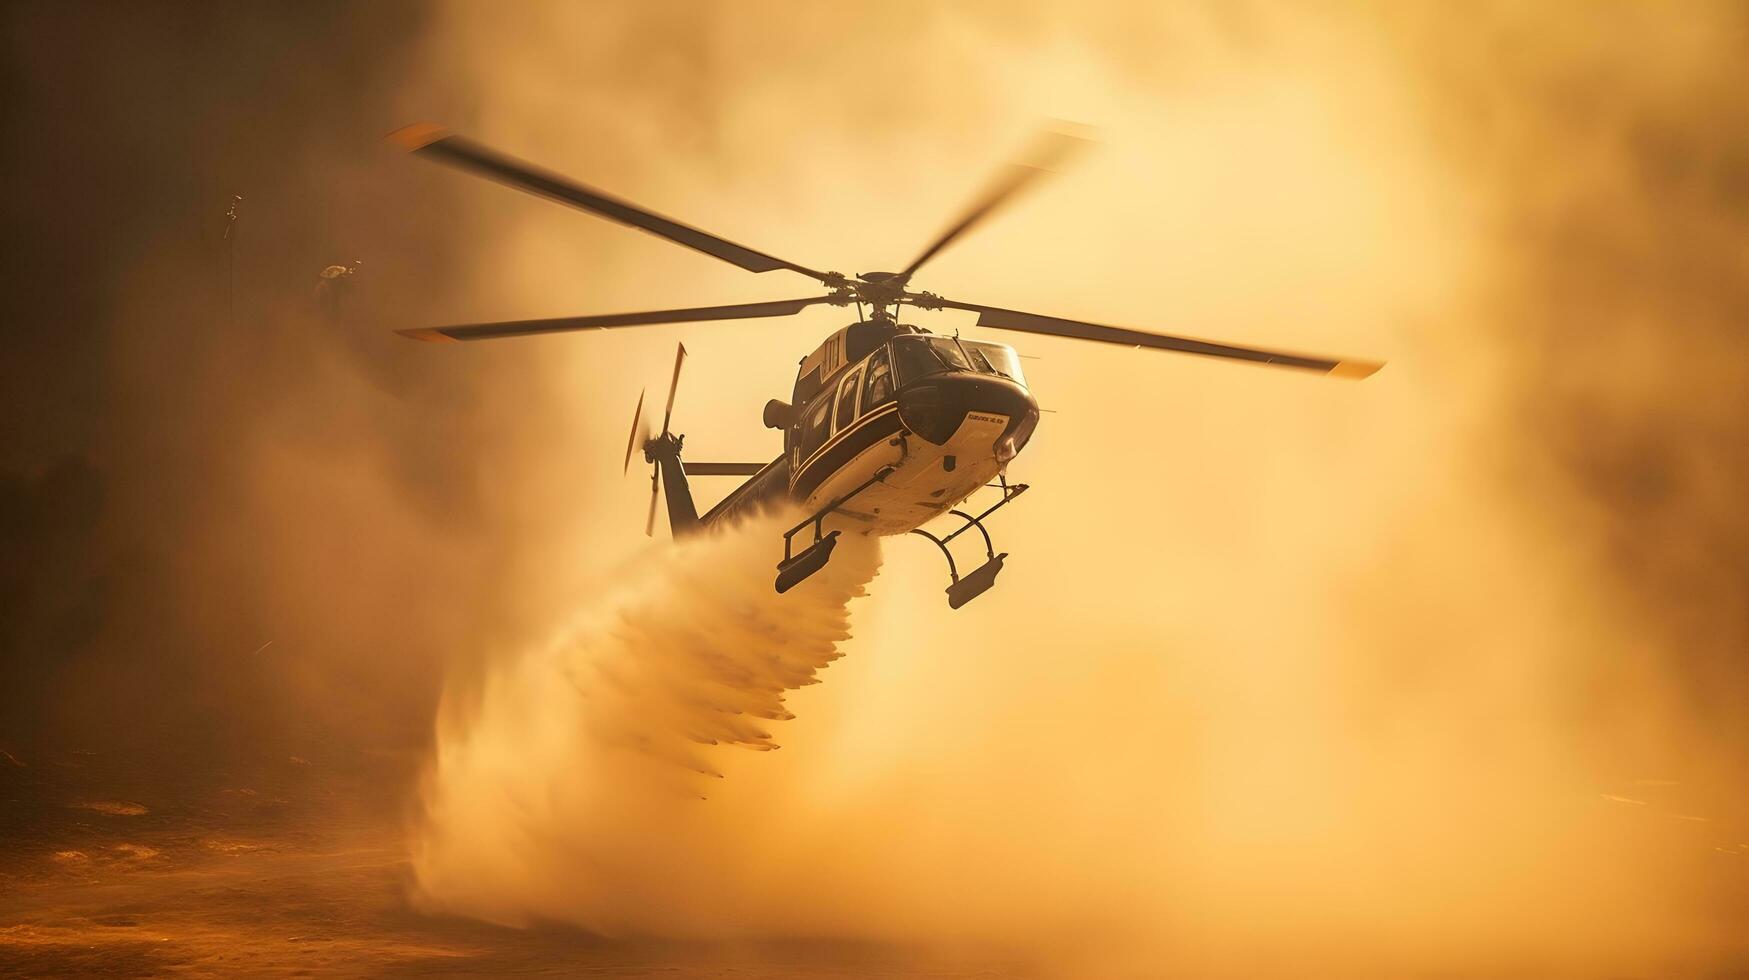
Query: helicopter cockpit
column 920, row 355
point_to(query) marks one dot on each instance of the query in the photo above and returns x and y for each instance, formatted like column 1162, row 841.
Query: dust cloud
column 1439, row 672
column 1284, row 676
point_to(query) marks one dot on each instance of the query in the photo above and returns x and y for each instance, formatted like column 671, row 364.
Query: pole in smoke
column 232, row 214
column 332, row 285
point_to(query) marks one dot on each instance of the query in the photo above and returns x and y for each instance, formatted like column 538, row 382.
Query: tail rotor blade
column 632, row 440
column 673, row 386
column 655, row 491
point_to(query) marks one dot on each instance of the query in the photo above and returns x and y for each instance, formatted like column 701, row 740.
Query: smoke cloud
column 1441, row 671
column 1288, row 678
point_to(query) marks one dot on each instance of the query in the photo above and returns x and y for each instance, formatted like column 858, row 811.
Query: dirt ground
column 296, row 873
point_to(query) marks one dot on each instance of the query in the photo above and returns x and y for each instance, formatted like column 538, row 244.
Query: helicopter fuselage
column 903, row 423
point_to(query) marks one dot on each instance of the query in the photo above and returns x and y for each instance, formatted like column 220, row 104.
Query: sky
column 1441, row 667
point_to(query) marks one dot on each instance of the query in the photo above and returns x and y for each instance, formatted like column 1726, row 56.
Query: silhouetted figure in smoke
column 332, row 286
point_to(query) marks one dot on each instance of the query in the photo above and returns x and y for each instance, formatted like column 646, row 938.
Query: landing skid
column 797, row 566
column 794, row 568
column 978, row 581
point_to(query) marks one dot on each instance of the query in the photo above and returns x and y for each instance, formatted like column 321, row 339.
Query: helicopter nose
column 935, row 409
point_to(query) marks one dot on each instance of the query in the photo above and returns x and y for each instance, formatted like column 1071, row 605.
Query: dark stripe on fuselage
column 883, row 423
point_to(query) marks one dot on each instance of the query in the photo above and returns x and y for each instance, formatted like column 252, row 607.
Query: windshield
column 995, row 359
column 920, row 356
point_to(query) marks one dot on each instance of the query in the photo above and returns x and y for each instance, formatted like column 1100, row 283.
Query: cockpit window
column 995, row 359
column 913, row 359
column 920, row 356
column 950, row 353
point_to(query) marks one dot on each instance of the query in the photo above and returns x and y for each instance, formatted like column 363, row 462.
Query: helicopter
column 888, row 426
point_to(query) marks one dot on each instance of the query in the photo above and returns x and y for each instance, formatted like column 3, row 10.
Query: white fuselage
column 920, row 486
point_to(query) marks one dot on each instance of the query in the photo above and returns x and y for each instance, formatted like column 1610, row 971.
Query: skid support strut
column 978, row 581
column 794, row 568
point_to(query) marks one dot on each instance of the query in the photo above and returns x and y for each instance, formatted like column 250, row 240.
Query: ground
column 296, row 873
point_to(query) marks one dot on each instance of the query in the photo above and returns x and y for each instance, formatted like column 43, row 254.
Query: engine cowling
column 779, row 414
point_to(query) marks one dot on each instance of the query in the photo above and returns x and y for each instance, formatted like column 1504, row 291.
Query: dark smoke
column 169, row 592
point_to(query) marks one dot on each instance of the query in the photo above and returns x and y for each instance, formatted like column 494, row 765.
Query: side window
column 879, row 386
column 817, row 425
column 847, row 398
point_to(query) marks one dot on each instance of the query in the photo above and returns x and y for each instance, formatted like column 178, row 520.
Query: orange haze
column 1286, row 676
column 1439, row 672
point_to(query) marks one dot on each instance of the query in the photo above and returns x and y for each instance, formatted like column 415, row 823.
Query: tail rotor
column 641, row 436
column 632, row 441
column 673, row 386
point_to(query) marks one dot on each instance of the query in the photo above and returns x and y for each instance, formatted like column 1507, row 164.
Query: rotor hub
column 880, row 291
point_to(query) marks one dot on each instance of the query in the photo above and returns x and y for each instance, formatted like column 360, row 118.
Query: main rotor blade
column 699, row 314
column 437, row 143
column 655, row 487
column 673, row 385
column 1000, row 319
column 1047, row 153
